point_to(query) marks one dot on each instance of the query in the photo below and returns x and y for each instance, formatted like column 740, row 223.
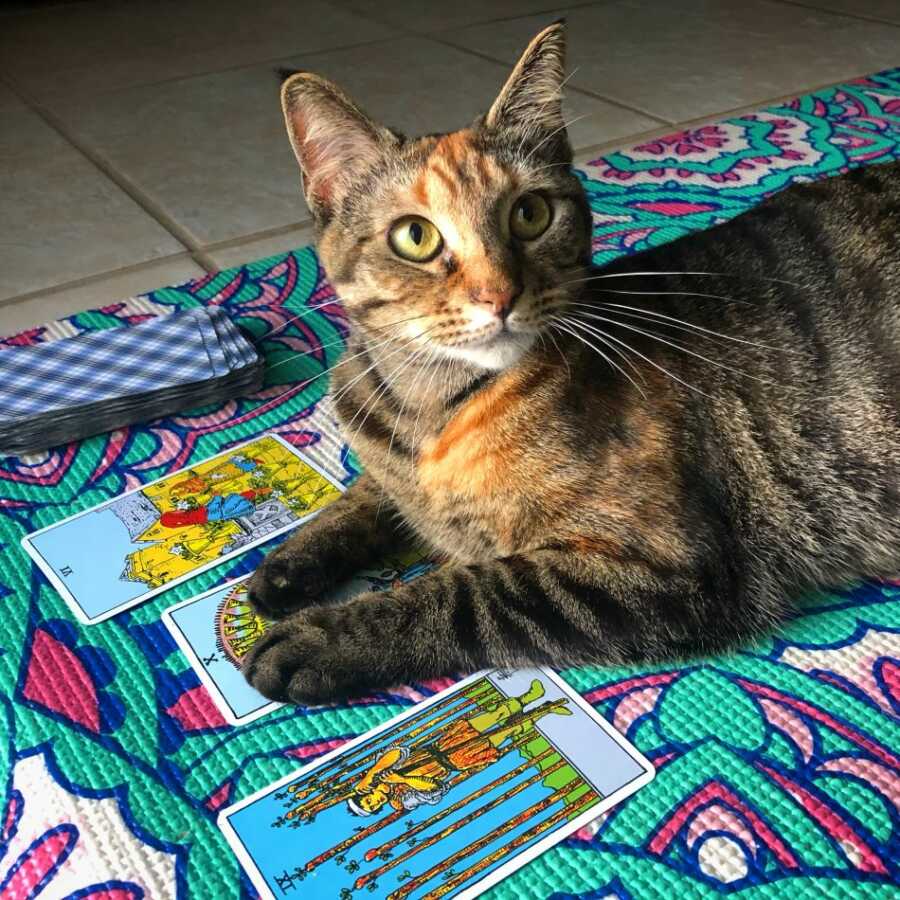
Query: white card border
column 512, row 865
column 180, row 638
column 69, row 598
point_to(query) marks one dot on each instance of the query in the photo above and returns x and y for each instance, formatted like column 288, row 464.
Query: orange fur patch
column 469, row 457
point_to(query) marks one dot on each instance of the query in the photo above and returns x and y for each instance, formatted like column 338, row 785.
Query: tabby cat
column 635, row 463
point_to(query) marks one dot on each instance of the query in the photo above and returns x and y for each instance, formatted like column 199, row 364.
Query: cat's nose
column 499, row 297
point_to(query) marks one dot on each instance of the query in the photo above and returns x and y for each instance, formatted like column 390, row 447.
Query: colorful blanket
column 778, row 768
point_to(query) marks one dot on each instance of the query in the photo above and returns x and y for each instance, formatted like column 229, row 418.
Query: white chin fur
column 499, row 354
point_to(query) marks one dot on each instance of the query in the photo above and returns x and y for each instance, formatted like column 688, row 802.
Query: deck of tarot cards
column 65, row 390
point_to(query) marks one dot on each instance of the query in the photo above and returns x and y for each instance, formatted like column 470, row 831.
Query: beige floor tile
column 212, row 151
column 418, row 16
column 62, row 219
column 17, row 315
column 888, row 10
column 83, row 49
column 8, row 100
column 252, row 250
column 697, row 57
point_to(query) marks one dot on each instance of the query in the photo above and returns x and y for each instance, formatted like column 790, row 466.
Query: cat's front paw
column 318, row 655
column 285, row 582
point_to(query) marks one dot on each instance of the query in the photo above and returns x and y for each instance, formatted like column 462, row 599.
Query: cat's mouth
column 493, row 348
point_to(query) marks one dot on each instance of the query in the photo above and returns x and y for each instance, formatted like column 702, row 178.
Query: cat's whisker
column 375, row 362
column 555, row 131
column 552, row 337
column 647, row 359
column 709, row 274
column 556, row 97
column 308, row 312
column 368, row 344
column 659, row 293
column 683, row 325
column 435, row 360
column 379, row 392
column 623, row 356
column 569, row 329
column 656, row 337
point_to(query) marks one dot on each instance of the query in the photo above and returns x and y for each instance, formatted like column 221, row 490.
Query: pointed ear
column 333, row 139
column 532, row 95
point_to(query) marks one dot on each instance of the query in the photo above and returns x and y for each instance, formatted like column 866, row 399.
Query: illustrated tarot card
column 442, row 801
column 216, row 629
column 130, row 548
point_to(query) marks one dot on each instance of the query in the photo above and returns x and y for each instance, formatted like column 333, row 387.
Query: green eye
column 530, row 217
column 415, row 239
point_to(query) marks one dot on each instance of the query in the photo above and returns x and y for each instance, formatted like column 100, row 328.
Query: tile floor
column 141, row 143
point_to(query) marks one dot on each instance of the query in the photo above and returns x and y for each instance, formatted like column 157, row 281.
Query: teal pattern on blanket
column 778, row 769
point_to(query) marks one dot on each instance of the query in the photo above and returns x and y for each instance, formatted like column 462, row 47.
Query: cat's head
column 461, row 243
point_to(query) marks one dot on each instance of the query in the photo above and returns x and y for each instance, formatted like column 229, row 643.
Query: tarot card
column 442, row 801
column 216, row 629
column 109, row 558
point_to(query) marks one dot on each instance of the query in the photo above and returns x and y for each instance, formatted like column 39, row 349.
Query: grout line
column 612, row 101
column 840, row 12
column 758, row 106
column 122, row 181
column 435, row 36
column 93, row 279
column 269, row 61
column 205, row 261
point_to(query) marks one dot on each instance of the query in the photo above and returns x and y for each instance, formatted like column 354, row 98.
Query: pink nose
column 500, row 297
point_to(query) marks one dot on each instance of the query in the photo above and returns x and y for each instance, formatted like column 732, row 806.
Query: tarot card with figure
column 442, row 801
column 130, row 548
column 216, row 629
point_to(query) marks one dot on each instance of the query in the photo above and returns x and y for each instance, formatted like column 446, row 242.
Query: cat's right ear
column 333, row 139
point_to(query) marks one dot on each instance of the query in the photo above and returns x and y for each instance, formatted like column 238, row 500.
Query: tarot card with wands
column 442, row 801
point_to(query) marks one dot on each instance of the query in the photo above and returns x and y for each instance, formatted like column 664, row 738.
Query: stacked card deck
column 66, row 390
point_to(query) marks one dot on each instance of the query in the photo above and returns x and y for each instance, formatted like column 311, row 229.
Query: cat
column 644, row 462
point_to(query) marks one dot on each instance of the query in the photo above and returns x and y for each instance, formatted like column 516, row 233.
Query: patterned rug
column 778, row 768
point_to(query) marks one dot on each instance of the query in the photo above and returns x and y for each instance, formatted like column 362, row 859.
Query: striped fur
column 642, row 466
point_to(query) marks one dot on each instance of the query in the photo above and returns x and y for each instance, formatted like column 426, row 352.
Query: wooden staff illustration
column 567, row 812
column 469, row 798
column 392, row 817
column 482, row 842
column 474, row 693
column 458, row 824
column 340, row 789
column 331, row 779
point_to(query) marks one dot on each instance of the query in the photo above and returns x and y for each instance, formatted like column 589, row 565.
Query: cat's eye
column 415, row 239
column 530, row 217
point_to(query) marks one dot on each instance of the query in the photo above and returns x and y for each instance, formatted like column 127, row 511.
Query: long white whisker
column 570, row 325
column 684, row 325
column 555, row 131
column 375, row 362
column 710, row 274
column 653, row 336
column 552, row 337
column 655, row 365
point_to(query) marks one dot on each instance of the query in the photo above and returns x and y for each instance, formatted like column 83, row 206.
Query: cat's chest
column 476, row 484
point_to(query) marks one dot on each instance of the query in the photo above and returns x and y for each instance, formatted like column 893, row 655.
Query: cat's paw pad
column 305, row 659
column 283, row 584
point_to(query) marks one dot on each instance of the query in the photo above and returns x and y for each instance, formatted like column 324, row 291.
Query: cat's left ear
column 532, row 95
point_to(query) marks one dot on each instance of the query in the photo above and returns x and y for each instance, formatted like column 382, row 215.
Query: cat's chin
column 500, row 353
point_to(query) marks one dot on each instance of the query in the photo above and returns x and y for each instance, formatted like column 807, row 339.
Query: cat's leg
column 345, row 536
column 551, row 607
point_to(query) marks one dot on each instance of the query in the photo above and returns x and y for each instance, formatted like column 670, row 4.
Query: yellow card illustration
column 128, row 549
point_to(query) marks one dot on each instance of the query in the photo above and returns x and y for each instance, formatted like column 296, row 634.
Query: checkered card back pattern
column 181, row 348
